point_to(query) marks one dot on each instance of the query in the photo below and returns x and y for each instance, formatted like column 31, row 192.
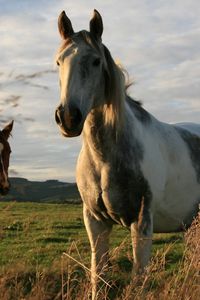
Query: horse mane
column 116, row 85
column 115, row 91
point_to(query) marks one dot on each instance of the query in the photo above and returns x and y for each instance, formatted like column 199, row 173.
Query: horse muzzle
column 69, row 120
column 4, row 190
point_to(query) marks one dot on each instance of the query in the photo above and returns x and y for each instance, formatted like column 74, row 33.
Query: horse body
column 157, row 155
column 132, row 169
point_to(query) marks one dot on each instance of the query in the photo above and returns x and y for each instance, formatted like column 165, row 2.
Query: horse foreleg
column 98, row 234
column 141, row 234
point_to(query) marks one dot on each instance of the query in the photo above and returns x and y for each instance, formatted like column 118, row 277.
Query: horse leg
column 141, row 234
column 98, row 234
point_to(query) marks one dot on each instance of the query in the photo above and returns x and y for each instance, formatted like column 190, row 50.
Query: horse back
column 192, row 128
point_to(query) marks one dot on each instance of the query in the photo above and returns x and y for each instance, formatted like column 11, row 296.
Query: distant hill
column 51, row 191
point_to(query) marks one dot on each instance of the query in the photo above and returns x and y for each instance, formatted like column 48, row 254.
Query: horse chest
column 114, row 192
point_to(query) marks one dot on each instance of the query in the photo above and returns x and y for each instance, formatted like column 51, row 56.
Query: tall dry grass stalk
column 156, row 283
column 185, row 282
column 186, row 285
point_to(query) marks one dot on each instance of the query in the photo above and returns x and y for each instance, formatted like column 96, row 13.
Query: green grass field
column 33, row 238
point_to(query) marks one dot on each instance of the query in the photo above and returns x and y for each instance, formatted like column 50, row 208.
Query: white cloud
column 157, row 41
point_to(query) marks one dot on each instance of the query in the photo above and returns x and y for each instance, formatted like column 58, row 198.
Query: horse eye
column 58, row 64
column 96, row 62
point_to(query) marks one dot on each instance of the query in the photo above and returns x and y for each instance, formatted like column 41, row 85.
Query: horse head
column 87, row 74
column 4, row 158
column 80, row 61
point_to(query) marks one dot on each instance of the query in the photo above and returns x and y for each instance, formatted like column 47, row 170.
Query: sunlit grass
column 33, row 238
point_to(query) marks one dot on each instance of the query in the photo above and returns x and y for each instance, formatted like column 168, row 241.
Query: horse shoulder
column 88, row 180
column 84, row 169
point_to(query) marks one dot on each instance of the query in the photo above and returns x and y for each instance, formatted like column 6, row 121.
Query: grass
column 37, row 233
column 44, row 250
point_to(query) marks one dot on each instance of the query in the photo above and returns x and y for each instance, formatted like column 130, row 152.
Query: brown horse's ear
column 65, row 26
column 7, row 130
column 96, row 25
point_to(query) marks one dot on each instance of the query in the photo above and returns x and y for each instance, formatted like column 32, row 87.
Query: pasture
column 44, row 253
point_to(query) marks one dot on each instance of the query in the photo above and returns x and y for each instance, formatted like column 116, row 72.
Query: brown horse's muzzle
column 69, row 120
column 4, row 189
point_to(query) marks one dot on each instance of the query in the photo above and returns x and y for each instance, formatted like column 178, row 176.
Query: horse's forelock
column 84, row 36
column 90, row 40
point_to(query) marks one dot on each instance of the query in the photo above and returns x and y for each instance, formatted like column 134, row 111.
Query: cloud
column 158, row 43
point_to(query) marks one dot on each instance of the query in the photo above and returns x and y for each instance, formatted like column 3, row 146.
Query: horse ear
column 65, row 26
column 96, row 25
column 7, row 130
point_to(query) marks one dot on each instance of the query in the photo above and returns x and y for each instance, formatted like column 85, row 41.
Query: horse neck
column 104, row 140
column 96, row 133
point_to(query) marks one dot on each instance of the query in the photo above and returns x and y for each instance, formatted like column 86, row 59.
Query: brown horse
column 4, row 158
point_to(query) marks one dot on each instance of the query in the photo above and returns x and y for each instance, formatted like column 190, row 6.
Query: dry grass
column 70, row 280
column 156, row 283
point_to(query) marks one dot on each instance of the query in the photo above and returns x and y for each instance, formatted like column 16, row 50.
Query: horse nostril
column 58, row 117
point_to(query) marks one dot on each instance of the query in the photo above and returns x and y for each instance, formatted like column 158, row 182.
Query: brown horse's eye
column 58, row 64
column 96, row 62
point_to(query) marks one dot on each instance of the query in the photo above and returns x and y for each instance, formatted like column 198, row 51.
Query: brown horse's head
column 4, row 158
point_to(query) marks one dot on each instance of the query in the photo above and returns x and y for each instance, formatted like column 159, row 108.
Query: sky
column 157, row 42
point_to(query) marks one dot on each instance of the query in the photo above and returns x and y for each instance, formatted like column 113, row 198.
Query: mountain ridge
column 49, row 191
